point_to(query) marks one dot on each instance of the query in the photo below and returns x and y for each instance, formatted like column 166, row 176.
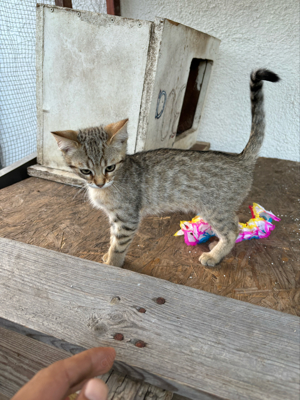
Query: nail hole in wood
column 115, row 300
column 118, row 336
column 160, row 300
column 140, row 344
column 141, row 310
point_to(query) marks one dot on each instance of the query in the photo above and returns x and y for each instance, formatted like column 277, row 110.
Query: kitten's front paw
column 105, row 257
column 207, row 260
column 114, row 261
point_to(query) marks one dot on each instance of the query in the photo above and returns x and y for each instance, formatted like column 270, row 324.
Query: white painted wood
column 198, row 344
column 186, row 140
column 92, row 67
column 17, row 164
column 149, row 85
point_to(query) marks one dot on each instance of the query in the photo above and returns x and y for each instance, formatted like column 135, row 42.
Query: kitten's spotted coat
column 212, row 184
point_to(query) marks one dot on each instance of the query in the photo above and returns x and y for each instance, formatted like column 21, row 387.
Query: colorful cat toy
column 259, row 226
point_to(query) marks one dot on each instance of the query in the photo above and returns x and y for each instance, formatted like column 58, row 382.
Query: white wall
column 256, row 33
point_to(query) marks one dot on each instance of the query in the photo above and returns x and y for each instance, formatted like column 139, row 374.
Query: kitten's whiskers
column 79, row 191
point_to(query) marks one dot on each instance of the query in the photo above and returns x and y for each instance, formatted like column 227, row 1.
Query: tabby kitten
column 127, row 187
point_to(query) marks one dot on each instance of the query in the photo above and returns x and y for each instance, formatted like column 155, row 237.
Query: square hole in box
column 192, row 94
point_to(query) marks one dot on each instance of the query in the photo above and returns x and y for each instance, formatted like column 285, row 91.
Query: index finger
column 55, row 381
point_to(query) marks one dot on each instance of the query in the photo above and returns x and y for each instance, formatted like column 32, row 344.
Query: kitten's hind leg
column 213, row 244
column 227, row 232
column 121, row 235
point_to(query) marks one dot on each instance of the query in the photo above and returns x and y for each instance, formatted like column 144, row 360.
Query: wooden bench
column 192, row 343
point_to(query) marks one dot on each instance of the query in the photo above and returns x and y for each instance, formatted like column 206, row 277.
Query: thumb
column 95, row 389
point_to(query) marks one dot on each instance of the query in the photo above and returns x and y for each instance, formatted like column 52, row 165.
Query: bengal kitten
column 127, row 187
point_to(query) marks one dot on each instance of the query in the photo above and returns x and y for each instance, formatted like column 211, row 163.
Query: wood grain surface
column 264, row 272
column 60, row 344
column 196, row 343
column 21, row 357
column 8, row 369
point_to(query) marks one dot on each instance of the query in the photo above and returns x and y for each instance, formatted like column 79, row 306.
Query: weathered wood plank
column 186, row 140
column 201, row 146
column 198, row 344
column 22, row 357
column 69, row 348
column 57, row 175
column 122, row 387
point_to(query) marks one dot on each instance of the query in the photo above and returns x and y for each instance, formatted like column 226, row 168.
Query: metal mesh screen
column 18, row 75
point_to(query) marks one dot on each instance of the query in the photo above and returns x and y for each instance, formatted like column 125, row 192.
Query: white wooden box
column 96, row 69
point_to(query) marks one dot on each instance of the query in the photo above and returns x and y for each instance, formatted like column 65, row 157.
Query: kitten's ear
column 66, row 140
column 117, row 132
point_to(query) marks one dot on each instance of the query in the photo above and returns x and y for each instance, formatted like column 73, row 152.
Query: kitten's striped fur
column 212, row 184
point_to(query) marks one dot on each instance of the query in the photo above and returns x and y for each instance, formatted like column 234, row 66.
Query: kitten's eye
column 110, row 168
column 86, row 171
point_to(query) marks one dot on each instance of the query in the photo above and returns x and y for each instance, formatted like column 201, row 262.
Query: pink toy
column 259, row 226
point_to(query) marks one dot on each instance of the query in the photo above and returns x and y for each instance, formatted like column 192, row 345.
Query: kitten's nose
column 98, row 181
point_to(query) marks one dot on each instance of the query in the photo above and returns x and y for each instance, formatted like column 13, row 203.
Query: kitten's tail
column 251, row 151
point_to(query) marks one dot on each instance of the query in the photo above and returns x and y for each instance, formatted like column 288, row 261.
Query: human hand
column 67, row 376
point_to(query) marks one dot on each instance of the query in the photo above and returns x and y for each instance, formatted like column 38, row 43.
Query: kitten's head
column 95, row 154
